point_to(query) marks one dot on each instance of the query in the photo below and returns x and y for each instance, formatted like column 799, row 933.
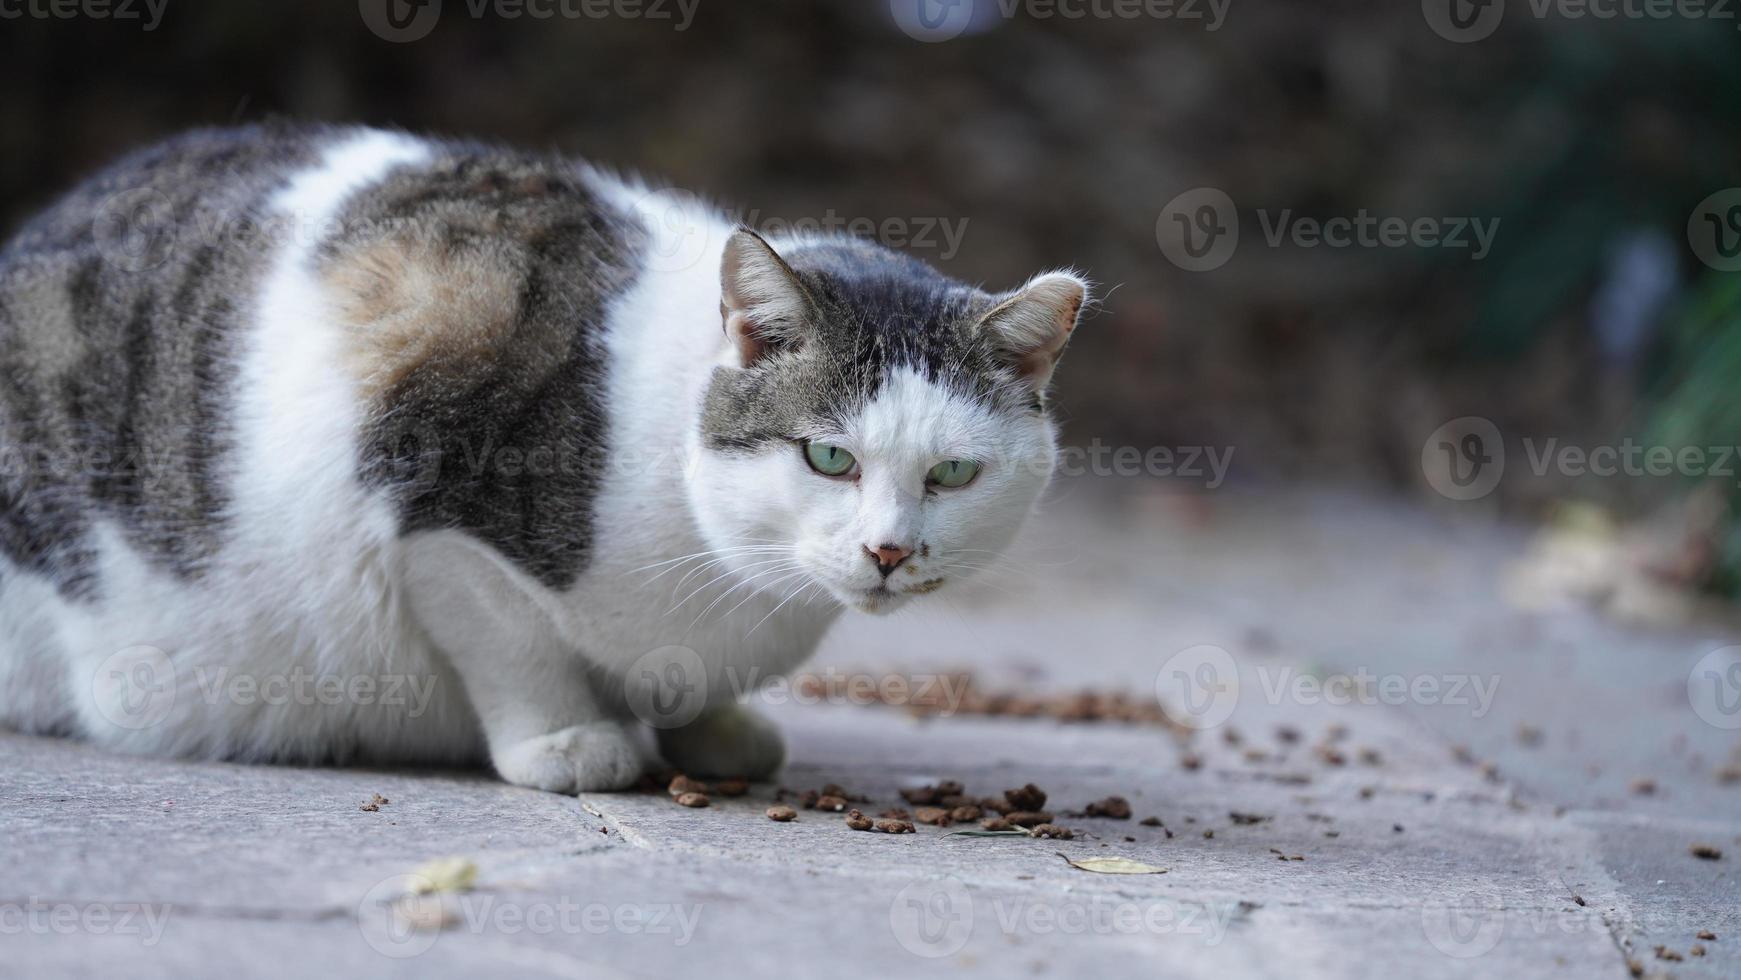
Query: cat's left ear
column 1032, row 325
column 764, row 305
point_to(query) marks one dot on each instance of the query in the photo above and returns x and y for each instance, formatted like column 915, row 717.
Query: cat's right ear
column 764, row 305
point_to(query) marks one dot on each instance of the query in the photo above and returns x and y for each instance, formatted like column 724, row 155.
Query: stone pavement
column 1488, row 780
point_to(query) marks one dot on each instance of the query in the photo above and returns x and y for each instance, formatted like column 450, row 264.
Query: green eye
column 829, row 460
column 952, row 473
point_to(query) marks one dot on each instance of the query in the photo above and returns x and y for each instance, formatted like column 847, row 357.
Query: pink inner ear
column 750, row 346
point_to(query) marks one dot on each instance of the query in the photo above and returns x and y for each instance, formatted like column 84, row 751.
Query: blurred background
column 996, row 142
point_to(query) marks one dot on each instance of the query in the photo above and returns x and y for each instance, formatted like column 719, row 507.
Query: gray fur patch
column 492, row 421
column 119, row 312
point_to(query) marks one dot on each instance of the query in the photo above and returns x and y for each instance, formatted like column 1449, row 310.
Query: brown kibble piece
column 1112, row 808
column 896, row 813
column 1027, row 818
column 966, row 813
column 1707, row 935
column 808, row 798
column 731, row 787
column 831, row 804
column 894, row 826
column 1151, row 822
column 997, row 823
column 1644, row 786
column 680, row 785
column 936, row 816
column 1696, row 950
column 1664, row 953
column 782, row 813
column 1208, row 835
column 1052, row 831
column 856, row 820
column 692, row 799
column 1706, row 852
column 1029, row 797
column 1191, row 760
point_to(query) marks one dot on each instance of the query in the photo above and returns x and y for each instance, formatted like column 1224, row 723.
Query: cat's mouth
column 880, row 598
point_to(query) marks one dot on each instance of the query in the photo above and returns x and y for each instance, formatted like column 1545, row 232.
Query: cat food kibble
column 856, row 820
column 894, row 826
column 683, row 784
column 692, row 799
column 782, row 813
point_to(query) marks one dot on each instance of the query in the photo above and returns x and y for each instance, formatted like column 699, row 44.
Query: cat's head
column 876, row 429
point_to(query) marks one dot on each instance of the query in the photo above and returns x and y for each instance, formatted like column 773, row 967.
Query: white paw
column 580, row 759
column 731, row 742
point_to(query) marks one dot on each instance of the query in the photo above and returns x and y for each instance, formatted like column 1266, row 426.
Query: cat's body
column 338, row 444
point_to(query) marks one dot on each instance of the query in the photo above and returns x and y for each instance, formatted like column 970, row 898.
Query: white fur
column 744, row 562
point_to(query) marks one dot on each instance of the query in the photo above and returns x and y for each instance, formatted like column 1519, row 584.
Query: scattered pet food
column 1644, row 786
column 1707, row 935
column 1191, row 761
column 1151, row 822
column 1052, row 831
column 1029, row 797
column 1331, row 755
column 936, row 816
column 896, row 813
column 680, row 785
column 1706, row 852
column 1027, row 818
column 1246, row 819
column 1696, row 950
column 856, row 820
column 894, row 826
column 1579, row 899
column 831, row 804
column 1208, row 835
column 692, row 799
column 782, row 813
column 997, row 823
column 376, row 802
column 1664, row 953
column 732, row 787
column 965, row 813
column 1112, row 808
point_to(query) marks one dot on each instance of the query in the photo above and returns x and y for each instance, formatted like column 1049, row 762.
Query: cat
column 328, row 444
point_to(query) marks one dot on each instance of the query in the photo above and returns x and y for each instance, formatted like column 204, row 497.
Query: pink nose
column 887, row 556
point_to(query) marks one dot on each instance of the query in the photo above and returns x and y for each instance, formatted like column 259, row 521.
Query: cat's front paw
column 733, row 741
column 579, row 759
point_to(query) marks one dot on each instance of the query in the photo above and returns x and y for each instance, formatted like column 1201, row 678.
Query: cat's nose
column 887, row 556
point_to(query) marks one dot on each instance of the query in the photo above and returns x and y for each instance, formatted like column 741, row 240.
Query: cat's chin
column 879, row 601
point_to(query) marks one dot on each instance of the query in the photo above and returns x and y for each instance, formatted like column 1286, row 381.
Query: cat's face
column 877, row 431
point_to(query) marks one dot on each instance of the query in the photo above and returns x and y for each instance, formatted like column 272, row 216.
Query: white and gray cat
column 294, row 418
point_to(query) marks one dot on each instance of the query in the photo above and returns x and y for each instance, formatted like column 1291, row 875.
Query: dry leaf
column 453, row 874
column 1114, row 866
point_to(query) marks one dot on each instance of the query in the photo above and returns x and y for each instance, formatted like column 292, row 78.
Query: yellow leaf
column 1114, row 866
column 453, row 874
